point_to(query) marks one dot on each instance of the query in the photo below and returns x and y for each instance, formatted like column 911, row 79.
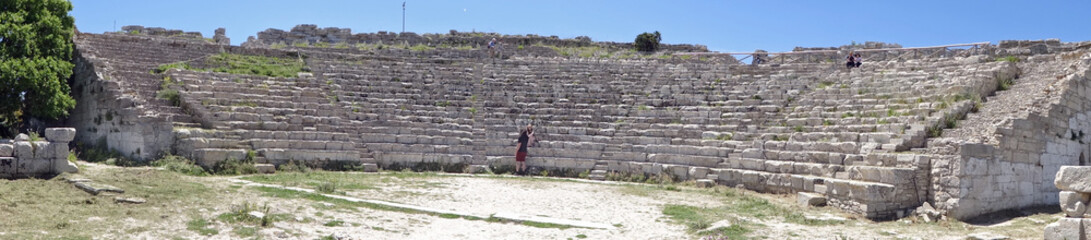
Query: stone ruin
column 311, row 34
column 25, row 157
column 958, row 130
column 1075, row 185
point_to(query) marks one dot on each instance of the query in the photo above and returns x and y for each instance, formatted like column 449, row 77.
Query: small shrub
column 233, row 166
column 293, row 166
column 180, row 165
column 647, row 42
column 1005, row 83
column 34, row 137
column 97, row 152
column 502, row 169
column 327, row 187
column 241, row 213
column 72, row 156
column 171, row 95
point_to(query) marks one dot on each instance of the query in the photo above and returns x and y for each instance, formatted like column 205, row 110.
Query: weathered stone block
column 820, row 188
column 811, row 199
column 8, row 166
column 1074, row 178
column 265, row 168
column 705, row 183
column 1074, row 204
column 43, row 150
column 698, row 172
column 1064, row 228
column 60, row 134
column 32, row 166
column 7, row 150
column 24, row 150
column 62, row 165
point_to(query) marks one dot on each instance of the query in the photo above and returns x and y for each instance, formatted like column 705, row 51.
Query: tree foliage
column 35, row 59
column 647, row 42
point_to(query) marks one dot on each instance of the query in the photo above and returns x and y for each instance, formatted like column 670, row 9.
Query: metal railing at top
column 879, row 54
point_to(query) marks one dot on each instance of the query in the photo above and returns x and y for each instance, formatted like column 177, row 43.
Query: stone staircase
column 598, row 172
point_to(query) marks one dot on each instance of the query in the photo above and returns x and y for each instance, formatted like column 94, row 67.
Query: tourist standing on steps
column 492, row 49
column 521, row 154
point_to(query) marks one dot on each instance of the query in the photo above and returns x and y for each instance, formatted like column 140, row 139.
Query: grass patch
column 180, row 165
column 245, row 65
column 315, row 180
column 1005, row 83
column 240, row 213
column 245, row 231
column 290, row 194
column 1008, row 59
column 200, row 225
column 545, row 225
column 234, row 167
column 334, row 223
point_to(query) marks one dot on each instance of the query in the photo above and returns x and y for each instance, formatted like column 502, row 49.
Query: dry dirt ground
column 187, row 207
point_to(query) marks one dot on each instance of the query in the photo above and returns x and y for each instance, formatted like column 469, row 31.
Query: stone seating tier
column 785, row 128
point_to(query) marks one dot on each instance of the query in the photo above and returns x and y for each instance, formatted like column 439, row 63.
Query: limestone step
column 370, row 167
column 265, row 168
column 598, row 175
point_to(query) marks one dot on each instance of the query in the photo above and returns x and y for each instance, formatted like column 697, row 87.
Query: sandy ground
column 635, row 210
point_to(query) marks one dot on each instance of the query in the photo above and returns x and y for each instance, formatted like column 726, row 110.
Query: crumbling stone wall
column 1016, row 170
column 307, row 33
column 22, row 157
column 109, row 118
column 160, row 32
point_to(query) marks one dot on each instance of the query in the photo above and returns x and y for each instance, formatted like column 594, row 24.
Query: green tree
column 647, row 42
column 35, row 59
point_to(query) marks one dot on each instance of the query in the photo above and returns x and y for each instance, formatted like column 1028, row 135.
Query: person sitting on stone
column 850, row 61
column 857, row 59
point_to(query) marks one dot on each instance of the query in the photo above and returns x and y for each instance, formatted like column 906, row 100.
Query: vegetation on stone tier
column 35, row 61
column 180, row 165
column 647, row 42
column 245, row 65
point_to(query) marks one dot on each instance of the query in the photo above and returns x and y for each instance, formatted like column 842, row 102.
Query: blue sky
column 721, row 25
